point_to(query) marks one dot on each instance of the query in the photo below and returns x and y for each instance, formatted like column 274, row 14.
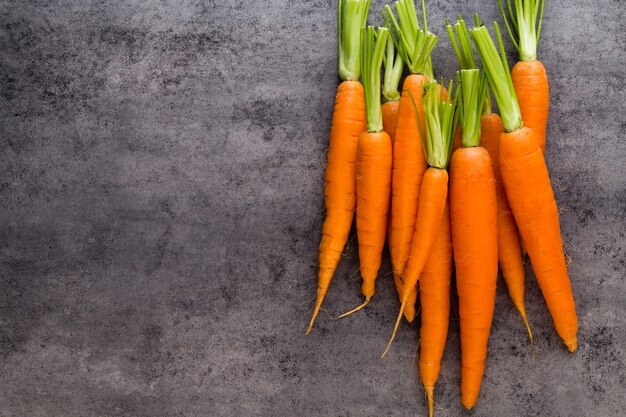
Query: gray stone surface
column 161, row 200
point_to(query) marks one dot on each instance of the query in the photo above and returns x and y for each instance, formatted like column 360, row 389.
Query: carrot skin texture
column 530, row 82
column 528, row 188
column 409, row 308
column 390, row 117
column 373, row 189
column 473, row 216
column 509, row 248
column 409, row 165
column 340, row 182
column 435, row 307
column 432, row 203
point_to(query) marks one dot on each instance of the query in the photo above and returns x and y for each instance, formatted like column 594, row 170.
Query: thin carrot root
column 430, row 395
column 395, row 328
column 318, row 305
column 354, row 310
column 522, row 312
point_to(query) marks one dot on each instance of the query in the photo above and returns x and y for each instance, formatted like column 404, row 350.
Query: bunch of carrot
column 443, row 179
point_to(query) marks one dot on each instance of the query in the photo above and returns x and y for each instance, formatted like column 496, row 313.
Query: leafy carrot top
column 526, row 19
column 414, row 43
column 352, row 16
column 499, row 76
column 372, row 51
column 440, row 121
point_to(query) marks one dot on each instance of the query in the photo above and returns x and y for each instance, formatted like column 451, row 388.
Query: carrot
column 391, row 96
column 347, row 124
column 527, row 184
column 509, row 251
column 414, row 46
column 435, row 307
column 440, row 121
column 373, row 166
column 529, row 76
column 473, row 216
column 390, row 117
column 509, row 245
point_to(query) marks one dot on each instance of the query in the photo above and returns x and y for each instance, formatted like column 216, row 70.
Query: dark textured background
column 161, row 205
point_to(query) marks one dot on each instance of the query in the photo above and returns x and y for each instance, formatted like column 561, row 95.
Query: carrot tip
column 395, row 329
column 522, row 312
column 430, row 393
column 316, row 310
column 354, row 310
column 571, row 344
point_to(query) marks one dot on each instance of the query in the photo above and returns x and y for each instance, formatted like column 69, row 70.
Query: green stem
column 372, row 52
column 465, row 56
column 497, row 70
column 413, row 43
column 472, row 92
column 440, row 120
column 428, row 69
column 393, row 72
column 351, row 17
column 525, row 27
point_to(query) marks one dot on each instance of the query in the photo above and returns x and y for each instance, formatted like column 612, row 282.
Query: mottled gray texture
column 161, row 200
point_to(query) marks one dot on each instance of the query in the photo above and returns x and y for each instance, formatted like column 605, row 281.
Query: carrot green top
column 473, row 90
column 372, row 52
column 526, row 19
column 440, row 121
column 465, row 56
column 351, row 17
column 393, row 72
column 414, row 43
column 499, row 76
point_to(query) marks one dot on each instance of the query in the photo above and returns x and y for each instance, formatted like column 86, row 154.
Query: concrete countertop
column 161, row 200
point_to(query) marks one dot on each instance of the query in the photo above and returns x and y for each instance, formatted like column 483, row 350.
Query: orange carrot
column 475, row 242
column 509, row 253
column 391, row 97
column 509, row 250
column 531, row 87
column 373, row 188
column 529, row 76
column 473, row 215
column 527, row 185
column 409, row 166
column 414, row 46
column 390, row 117
column 347, row 124
column 435, row 307
column 440, row 124
column 373, row 166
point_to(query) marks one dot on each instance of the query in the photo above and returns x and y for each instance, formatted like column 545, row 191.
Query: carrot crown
column 372, row 52
column 440, row 122
column 498, row 75
column 464, row 54
column 393, row 72
column 351, row 17
column 414, row 44
column 526, row 19
column 473, row 91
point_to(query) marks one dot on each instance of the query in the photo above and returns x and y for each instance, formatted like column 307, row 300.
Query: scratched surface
column 161, row 199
